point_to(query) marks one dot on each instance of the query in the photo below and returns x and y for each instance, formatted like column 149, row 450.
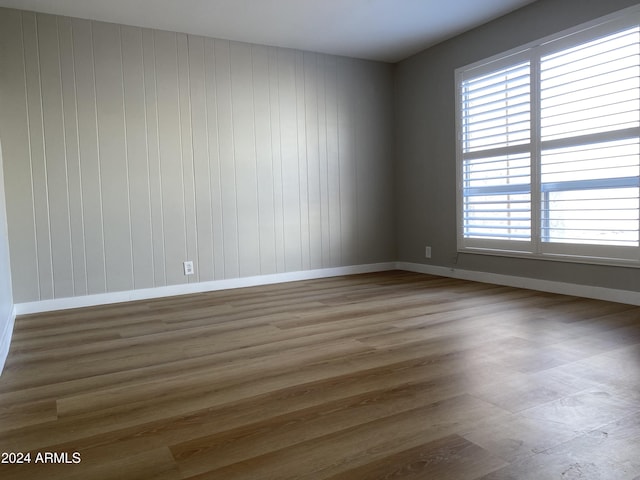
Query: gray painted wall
column 129, row 151
column 6, row 298
column 425, row 139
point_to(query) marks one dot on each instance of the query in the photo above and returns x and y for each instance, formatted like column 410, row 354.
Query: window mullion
column 536, row 196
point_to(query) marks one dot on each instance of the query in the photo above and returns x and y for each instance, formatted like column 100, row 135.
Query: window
column 549, row 147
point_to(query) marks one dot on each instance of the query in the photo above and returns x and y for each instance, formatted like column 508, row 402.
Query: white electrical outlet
column 427, row 252
column 188, row 267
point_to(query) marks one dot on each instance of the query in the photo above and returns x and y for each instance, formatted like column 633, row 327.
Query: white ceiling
column 386, row 30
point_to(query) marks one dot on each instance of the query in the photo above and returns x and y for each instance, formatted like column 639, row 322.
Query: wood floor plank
column 447, row 457
column 369, row 441
column 380, row 375
column 314, row 395
column 238, row 445
column 23, row 413
column 609, row 453
column 514, row 438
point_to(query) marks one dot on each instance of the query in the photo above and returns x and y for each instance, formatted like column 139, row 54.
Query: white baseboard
column 5, row 338
column 187, row 288
column 586, row 291
column 600, row 293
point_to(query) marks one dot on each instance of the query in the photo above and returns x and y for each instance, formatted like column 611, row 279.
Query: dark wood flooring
column 393, row 375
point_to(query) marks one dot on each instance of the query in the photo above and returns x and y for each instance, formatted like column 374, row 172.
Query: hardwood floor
column 389, row 375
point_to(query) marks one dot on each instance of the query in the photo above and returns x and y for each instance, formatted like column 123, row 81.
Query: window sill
column 554, row 257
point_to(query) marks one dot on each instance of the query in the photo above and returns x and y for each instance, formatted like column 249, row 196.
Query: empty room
column 340, row 239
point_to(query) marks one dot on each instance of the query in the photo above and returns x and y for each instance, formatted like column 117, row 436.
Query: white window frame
column 535, row 248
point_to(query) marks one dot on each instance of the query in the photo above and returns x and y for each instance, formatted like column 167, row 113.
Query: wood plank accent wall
column 128, row 151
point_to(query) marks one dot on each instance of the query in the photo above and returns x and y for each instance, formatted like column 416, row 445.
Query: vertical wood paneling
column 133, row 150
column 323, row 173
column 113, row 156
column 276, row 149
column 244, row 147
column 347, row 155
column 137, row 156
column 186, row 155
column 228, row 176
column 312, row 154
column 213, row 147
column 17, row 154
column 289, row 154
column 38, row 160
column 264, row 159
column 55, row 155
column 153, row 159
column 89, row 155
column 333, row 163
column 169, row 133
column 303, row 173
column 201, row 167
column 72, row 151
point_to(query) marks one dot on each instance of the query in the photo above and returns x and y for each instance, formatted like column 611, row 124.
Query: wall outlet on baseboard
column 427, row 252
column 188, row 267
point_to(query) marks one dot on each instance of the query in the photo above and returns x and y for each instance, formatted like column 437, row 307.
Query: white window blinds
column 549, row 147
column 590, row 93
column 591, row 88
column 496, row 109
column 496, row 123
